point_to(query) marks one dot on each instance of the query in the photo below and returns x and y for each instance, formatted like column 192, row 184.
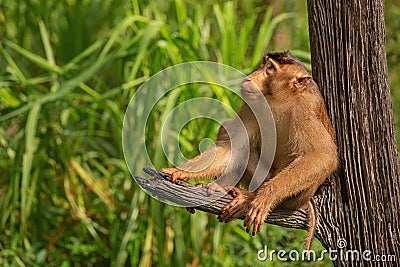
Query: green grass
column 68, row 71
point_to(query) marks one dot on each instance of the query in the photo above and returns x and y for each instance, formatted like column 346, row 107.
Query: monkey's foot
column 238, row 206
column 214, row 187
column 191, row 210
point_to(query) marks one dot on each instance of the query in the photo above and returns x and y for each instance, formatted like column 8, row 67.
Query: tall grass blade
column 49, row 52
column 266, row 31
column 132, row 225
column 13, row 67
column 38, row 60
column 101, row 190
column 31, row 143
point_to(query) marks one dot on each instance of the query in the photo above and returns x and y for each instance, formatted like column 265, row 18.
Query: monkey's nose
column 246, row 82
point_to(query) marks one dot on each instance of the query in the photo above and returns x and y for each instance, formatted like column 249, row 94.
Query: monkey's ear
column 302, row 82
column 271, row 65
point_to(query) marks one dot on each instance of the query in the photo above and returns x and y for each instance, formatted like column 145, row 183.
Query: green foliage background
column 68, row 71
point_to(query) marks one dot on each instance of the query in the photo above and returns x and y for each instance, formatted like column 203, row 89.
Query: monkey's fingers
column 231, row 211
column 177, row 174
column 214, row 187
column 249, row 219
column 234, row 213
column 191, row 210
column 256, row 216
column 228, row 188
column 235, row 192
column 258, row 223
column 236, row 202
column 169, row 171
column 183, row 175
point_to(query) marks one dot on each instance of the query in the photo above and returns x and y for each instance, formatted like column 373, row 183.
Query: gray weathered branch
column 181, row 193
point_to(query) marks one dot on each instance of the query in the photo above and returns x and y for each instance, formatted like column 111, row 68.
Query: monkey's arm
column 304, row 172
column 314, row 163
column 210, row 163
column 217, row 160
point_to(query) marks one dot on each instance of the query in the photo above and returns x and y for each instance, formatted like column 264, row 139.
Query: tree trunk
column 357, row 216
column 349, row 64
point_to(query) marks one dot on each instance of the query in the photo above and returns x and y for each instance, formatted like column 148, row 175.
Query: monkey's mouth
column 250, row 90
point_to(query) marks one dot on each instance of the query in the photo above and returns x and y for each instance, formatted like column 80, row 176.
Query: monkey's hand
column 176, row 174
column 258, row 211
column 238, row 206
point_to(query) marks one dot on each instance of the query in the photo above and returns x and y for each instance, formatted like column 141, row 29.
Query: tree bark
column 349, row 64
column 181, row 193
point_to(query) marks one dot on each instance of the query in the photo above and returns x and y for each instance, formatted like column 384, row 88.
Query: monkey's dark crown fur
column 285, row 58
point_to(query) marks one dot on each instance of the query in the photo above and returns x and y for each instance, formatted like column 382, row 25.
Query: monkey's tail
column 312, row 222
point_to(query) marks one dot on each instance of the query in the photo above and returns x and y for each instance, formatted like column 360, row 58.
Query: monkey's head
column 279, row 76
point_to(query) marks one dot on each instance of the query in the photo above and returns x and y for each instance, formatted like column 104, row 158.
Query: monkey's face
column 279, row 76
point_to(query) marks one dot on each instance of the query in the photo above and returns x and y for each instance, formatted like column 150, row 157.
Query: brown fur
column 305, row 150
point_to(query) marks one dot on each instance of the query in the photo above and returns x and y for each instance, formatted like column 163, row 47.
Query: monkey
column 305, row 154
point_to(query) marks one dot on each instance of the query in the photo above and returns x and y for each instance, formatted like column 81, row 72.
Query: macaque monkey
column 305, row 145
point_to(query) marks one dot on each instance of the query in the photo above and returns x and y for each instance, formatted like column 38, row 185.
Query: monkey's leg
column 242, row 198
